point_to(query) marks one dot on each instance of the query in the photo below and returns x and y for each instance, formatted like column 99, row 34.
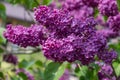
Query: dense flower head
column 10, row 58
column 22, row 36
column 114, row 23
column 74, row 48
column 56, row 21
column 96, row 43
column 92, row 3
column 52, row 18
column 108, row 33
column 106, row 73
column 73, row 4
column 107, row 56
column 83, row 28
column 83, row 13
column 68, row 49
column 28, row 74
column 59, row 50
column 108, row 7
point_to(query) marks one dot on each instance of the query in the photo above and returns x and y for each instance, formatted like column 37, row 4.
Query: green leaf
column 26, row 64
column 96, row 12
column 23, row 76
column 1, row 50
column 118, row 4
column 39, row 63
column 50, row 70
column 116, row 66
column 13, row 1
column 15, row 78
column 2, row 11
column 46, row 2
column 105, row 18
column 87, row 73
column 2, row 39
column 1, row 75
column 60, row 71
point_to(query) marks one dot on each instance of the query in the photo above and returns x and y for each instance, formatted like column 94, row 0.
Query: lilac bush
column 72, row 33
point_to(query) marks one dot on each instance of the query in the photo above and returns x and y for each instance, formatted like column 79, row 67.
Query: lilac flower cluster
column 22, row 36
column 108, row 33
column 10, row 58
column 63, row 37
column 28, row 74
column 56, row 21
column 108, row 7
column 59, row 50
column 78, row 9
column 106, row 73
column 107, row 56
column 73, row 4
column 114, row 23
column 92, row 3
column 81, row 42
column 77, row 4
column 83, row 12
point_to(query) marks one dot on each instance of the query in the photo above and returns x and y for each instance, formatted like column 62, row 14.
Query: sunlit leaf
column 46, row 2
column 26, row 64
column 60, row 71
column 2, row 39
column 50, row 70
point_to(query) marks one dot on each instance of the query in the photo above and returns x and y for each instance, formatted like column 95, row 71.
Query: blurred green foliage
column 30, row 4
column 2, row 12
column 118, row 4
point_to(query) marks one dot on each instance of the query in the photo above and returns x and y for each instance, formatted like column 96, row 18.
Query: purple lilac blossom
column 22, row 36
column 107, row 56
column 53, row 48
column 78, row 9
column 28, row 74
column 72, row 4
column 83, row 13
column 108, row 33
column 53, row 5
column 10, row 58
column 106, row 73
column 52, row 17
column 85, row 29
column 59, row 22
column 114, row 23
column 108, row 7
column 92, row 3
column 56, row 21
column 100, row 20
column 59, row 50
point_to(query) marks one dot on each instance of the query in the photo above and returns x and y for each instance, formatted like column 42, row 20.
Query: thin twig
column 114, row 71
